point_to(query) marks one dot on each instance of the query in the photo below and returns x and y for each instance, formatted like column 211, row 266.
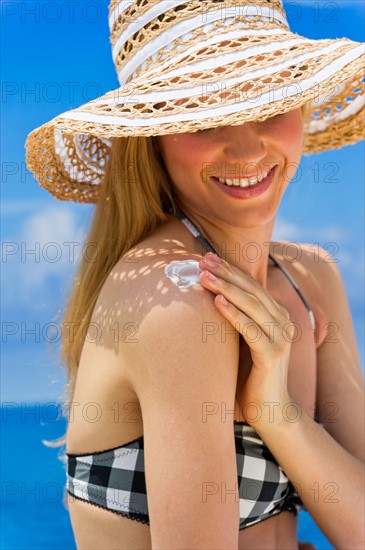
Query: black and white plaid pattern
column 115, row 479
column 264, row 489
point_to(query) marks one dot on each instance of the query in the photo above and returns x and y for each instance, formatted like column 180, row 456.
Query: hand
column 266, row 328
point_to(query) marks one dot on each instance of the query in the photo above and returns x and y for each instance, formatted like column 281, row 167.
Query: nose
column 245, row 143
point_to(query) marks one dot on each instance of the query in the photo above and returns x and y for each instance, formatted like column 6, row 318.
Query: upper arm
column 186, row 383
column 340, row 383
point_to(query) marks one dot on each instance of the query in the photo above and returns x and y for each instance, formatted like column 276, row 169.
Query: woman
column 194, row 154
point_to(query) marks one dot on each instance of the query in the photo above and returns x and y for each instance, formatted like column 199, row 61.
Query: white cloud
column 39, row 252
column 330, row 233
column 340, row 242
column 324, row 235
column 16, row 207
column 52, row 225
column 286, row 231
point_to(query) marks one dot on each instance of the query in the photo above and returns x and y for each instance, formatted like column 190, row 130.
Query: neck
column 247, row 248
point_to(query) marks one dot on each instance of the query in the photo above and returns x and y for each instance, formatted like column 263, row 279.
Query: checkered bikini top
column 114, row 479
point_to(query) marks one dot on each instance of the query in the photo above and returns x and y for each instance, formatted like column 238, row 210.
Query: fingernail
column 214, row 258
column 209, row 262
column 210, row 275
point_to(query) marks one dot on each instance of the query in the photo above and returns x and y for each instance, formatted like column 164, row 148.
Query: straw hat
column 187, row 66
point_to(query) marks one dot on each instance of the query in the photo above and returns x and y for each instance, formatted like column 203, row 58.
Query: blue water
column 32, row 513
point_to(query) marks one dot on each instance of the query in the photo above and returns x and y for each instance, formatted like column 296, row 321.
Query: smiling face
column 194, row 160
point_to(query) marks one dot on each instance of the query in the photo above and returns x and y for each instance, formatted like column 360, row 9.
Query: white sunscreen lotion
column 183, row 273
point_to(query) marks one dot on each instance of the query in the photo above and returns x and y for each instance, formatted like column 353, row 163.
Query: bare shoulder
column 314, row 265
column 306, row 259
column 309, row 265
column 139, row 281
column 154, row 296
column 153, row 273
column 293, row 252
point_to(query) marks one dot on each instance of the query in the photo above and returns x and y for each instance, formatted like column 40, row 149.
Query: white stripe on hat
column 276, row 95
column 142, row 20
column 339, row 89
column 118, row 10
column 214, row 40
column 352, row 108
column 167, row 38
column 232, row 57
column 229, row 82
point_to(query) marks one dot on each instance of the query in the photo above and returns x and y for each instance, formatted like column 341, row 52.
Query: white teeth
column 243, row 182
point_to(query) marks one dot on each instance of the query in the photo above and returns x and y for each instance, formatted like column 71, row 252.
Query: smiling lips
column 246, row 190
column 245, row 182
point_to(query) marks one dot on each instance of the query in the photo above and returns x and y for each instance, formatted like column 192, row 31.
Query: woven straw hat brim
column 251, row 76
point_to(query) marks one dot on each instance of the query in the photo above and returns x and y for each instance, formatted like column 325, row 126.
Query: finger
column 243, row 309
column 258, row 341
column 246, row 282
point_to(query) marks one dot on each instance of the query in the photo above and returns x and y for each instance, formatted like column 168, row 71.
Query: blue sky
column 56, row 58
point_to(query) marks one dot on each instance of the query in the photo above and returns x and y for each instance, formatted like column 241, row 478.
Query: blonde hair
column 135, row 198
